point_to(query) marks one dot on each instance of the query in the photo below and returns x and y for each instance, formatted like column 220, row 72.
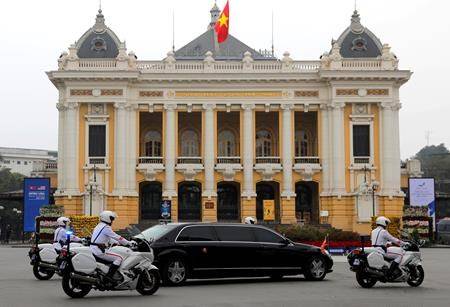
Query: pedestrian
column 8, row 233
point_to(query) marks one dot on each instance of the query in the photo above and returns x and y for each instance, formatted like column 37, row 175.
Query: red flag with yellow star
column 222, row 24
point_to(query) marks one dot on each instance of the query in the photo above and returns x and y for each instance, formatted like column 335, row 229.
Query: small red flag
column 222, row 24
column 324, row 244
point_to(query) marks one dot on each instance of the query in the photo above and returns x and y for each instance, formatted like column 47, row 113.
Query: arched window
column 190, row 144
column 227, row 144
column 152, row 141
column 264, row 144
column 302, row 143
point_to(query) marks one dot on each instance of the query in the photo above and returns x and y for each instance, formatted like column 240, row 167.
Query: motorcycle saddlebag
column 48, row 254
column 84, row 263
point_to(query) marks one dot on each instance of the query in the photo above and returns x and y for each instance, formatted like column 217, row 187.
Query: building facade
column 221, row 130
column 27, row 161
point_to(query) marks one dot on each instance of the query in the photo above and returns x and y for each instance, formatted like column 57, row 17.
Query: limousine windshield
column 157, row 231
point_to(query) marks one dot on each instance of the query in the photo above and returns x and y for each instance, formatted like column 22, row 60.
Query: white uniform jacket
column 102, row 234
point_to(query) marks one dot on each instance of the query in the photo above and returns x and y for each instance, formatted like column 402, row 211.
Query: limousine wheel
column 316, row 269
column 175, row 272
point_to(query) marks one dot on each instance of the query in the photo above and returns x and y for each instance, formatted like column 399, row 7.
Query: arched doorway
column 267, row 190
column 228, row 201
column 189, row 201
column 150, row 197
column 307, row 202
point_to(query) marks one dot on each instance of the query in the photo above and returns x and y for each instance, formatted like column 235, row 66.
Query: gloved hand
column 133, row 244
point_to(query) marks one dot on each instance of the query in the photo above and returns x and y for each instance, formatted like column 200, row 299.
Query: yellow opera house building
column 224, row 131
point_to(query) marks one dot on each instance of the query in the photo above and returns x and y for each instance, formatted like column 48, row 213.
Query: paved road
column 18, row 288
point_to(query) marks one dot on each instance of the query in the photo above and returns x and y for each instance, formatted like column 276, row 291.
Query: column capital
column 132, row 107
column 61, row 107
column 287, row 106
column 72, row 105
column 120, row 105
column 248, row 107
column 208, row 106
column 393, row 106
column 324, row 106
column 170, row 106
column 337, row 105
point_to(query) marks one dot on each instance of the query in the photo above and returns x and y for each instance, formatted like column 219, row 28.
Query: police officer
column 380, row 238
column 101, row 236
column 60, row 236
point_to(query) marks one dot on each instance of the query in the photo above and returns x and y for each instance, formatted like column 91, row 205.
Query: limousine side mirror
column 286, row 241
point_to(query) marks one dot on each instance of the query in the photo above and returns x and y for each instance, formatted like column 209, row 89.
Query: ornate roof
column 99, row 41
column 359, row 42
column 231, row 49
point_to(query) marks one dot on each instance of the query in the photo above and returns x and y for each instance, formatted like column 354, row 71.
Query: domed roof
column 359, row 42
column 99, row 41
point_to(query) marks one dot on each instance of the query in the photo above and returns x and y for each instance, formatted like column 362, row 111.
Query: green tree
column 10, row 181
column 435, row 161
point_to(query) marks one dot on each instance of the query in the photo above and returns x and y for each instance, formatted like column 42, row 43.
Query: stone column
column 132, row 140
column 71, row 150
column 169, row 151
column 248, row 147
column 390, row 149
column 209, row 141
column 61, row 146
column 287, row 151
column 120, row 149
column 325, row 150
column 338, row 152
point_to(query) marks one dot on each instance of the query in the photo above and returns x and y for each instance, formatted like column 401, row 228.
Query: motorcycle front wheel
column 73, row 288
column 365, row 281
column 148, row 282
column 42, row 274
column 416, row 279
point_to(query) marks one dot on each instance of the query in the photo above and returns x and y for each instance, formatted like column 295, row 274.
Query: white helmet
column 63, row 221
column 249, row 220
column 108, row 216
column 382, row 221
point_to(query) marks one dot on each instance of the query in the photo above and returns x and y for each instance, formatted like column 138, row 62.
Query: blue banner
column 36, row 193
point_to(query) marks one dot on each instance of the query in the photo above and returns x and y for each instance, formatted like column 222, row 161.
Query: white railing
column 189, row 160
column 268, row 160
column 361, row 64
column 228, row 160
column 93, row 64
column 361, row 160
column 307, row 160
column 96, row 160
column 150, row 160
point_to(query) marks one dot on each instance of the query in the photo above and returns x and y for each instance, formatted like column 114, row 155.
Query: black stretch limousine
column 203, row 250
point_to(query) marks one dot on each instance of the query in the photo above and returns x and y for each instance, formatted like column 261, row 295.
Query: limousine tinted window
column 197, row 233
column 233, row 233
column 263, row 235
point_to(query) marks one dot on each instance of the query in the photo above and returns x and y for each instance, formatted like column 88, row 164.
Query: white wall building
column 25, row 161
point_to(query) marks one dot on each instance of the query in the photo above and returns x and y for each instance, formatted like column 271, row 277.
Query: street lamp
column 372, row 187
column 91, row 187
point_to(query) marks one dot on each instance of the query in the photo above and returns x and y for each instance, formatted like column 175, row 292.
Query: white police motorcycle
column 82, row 272
column 371, row 266
column 45, row 259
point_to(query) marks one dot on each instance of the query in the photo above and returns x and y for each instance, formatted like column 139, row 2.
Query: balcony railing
column 361, row 160
column 189, row 160
column 97, row 160
column 228, row 160
column 268, row 160
column 307, row 160
column 150, row 160
column 45, row 166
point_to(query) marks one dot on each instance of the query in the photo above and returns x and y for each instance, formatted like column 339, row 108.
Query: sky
column 34, row 33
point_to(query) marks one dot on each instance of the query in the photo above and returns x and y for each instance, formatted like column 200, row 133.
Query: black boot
column 394, row 272
column 109, row 277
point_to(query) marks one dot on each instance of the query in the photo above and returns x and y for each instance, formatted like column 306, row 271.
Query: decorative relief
column 151, row 94
column 306, row 93
column 80, row 92
column 228, row 94
column 111, row 92
column 361, row 109
column 378, row 92
column 97, row 109
column 347, row 92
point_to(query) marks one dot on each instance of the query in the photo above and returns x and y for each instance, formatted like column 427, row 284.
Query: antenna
column 273, row 49
column 428, row 136
column 99, row 5
column 173, row 30
column 356, row 5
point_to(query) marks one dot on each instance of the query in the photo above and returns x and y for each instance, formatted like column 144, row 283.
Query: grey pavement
column 19, row 288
